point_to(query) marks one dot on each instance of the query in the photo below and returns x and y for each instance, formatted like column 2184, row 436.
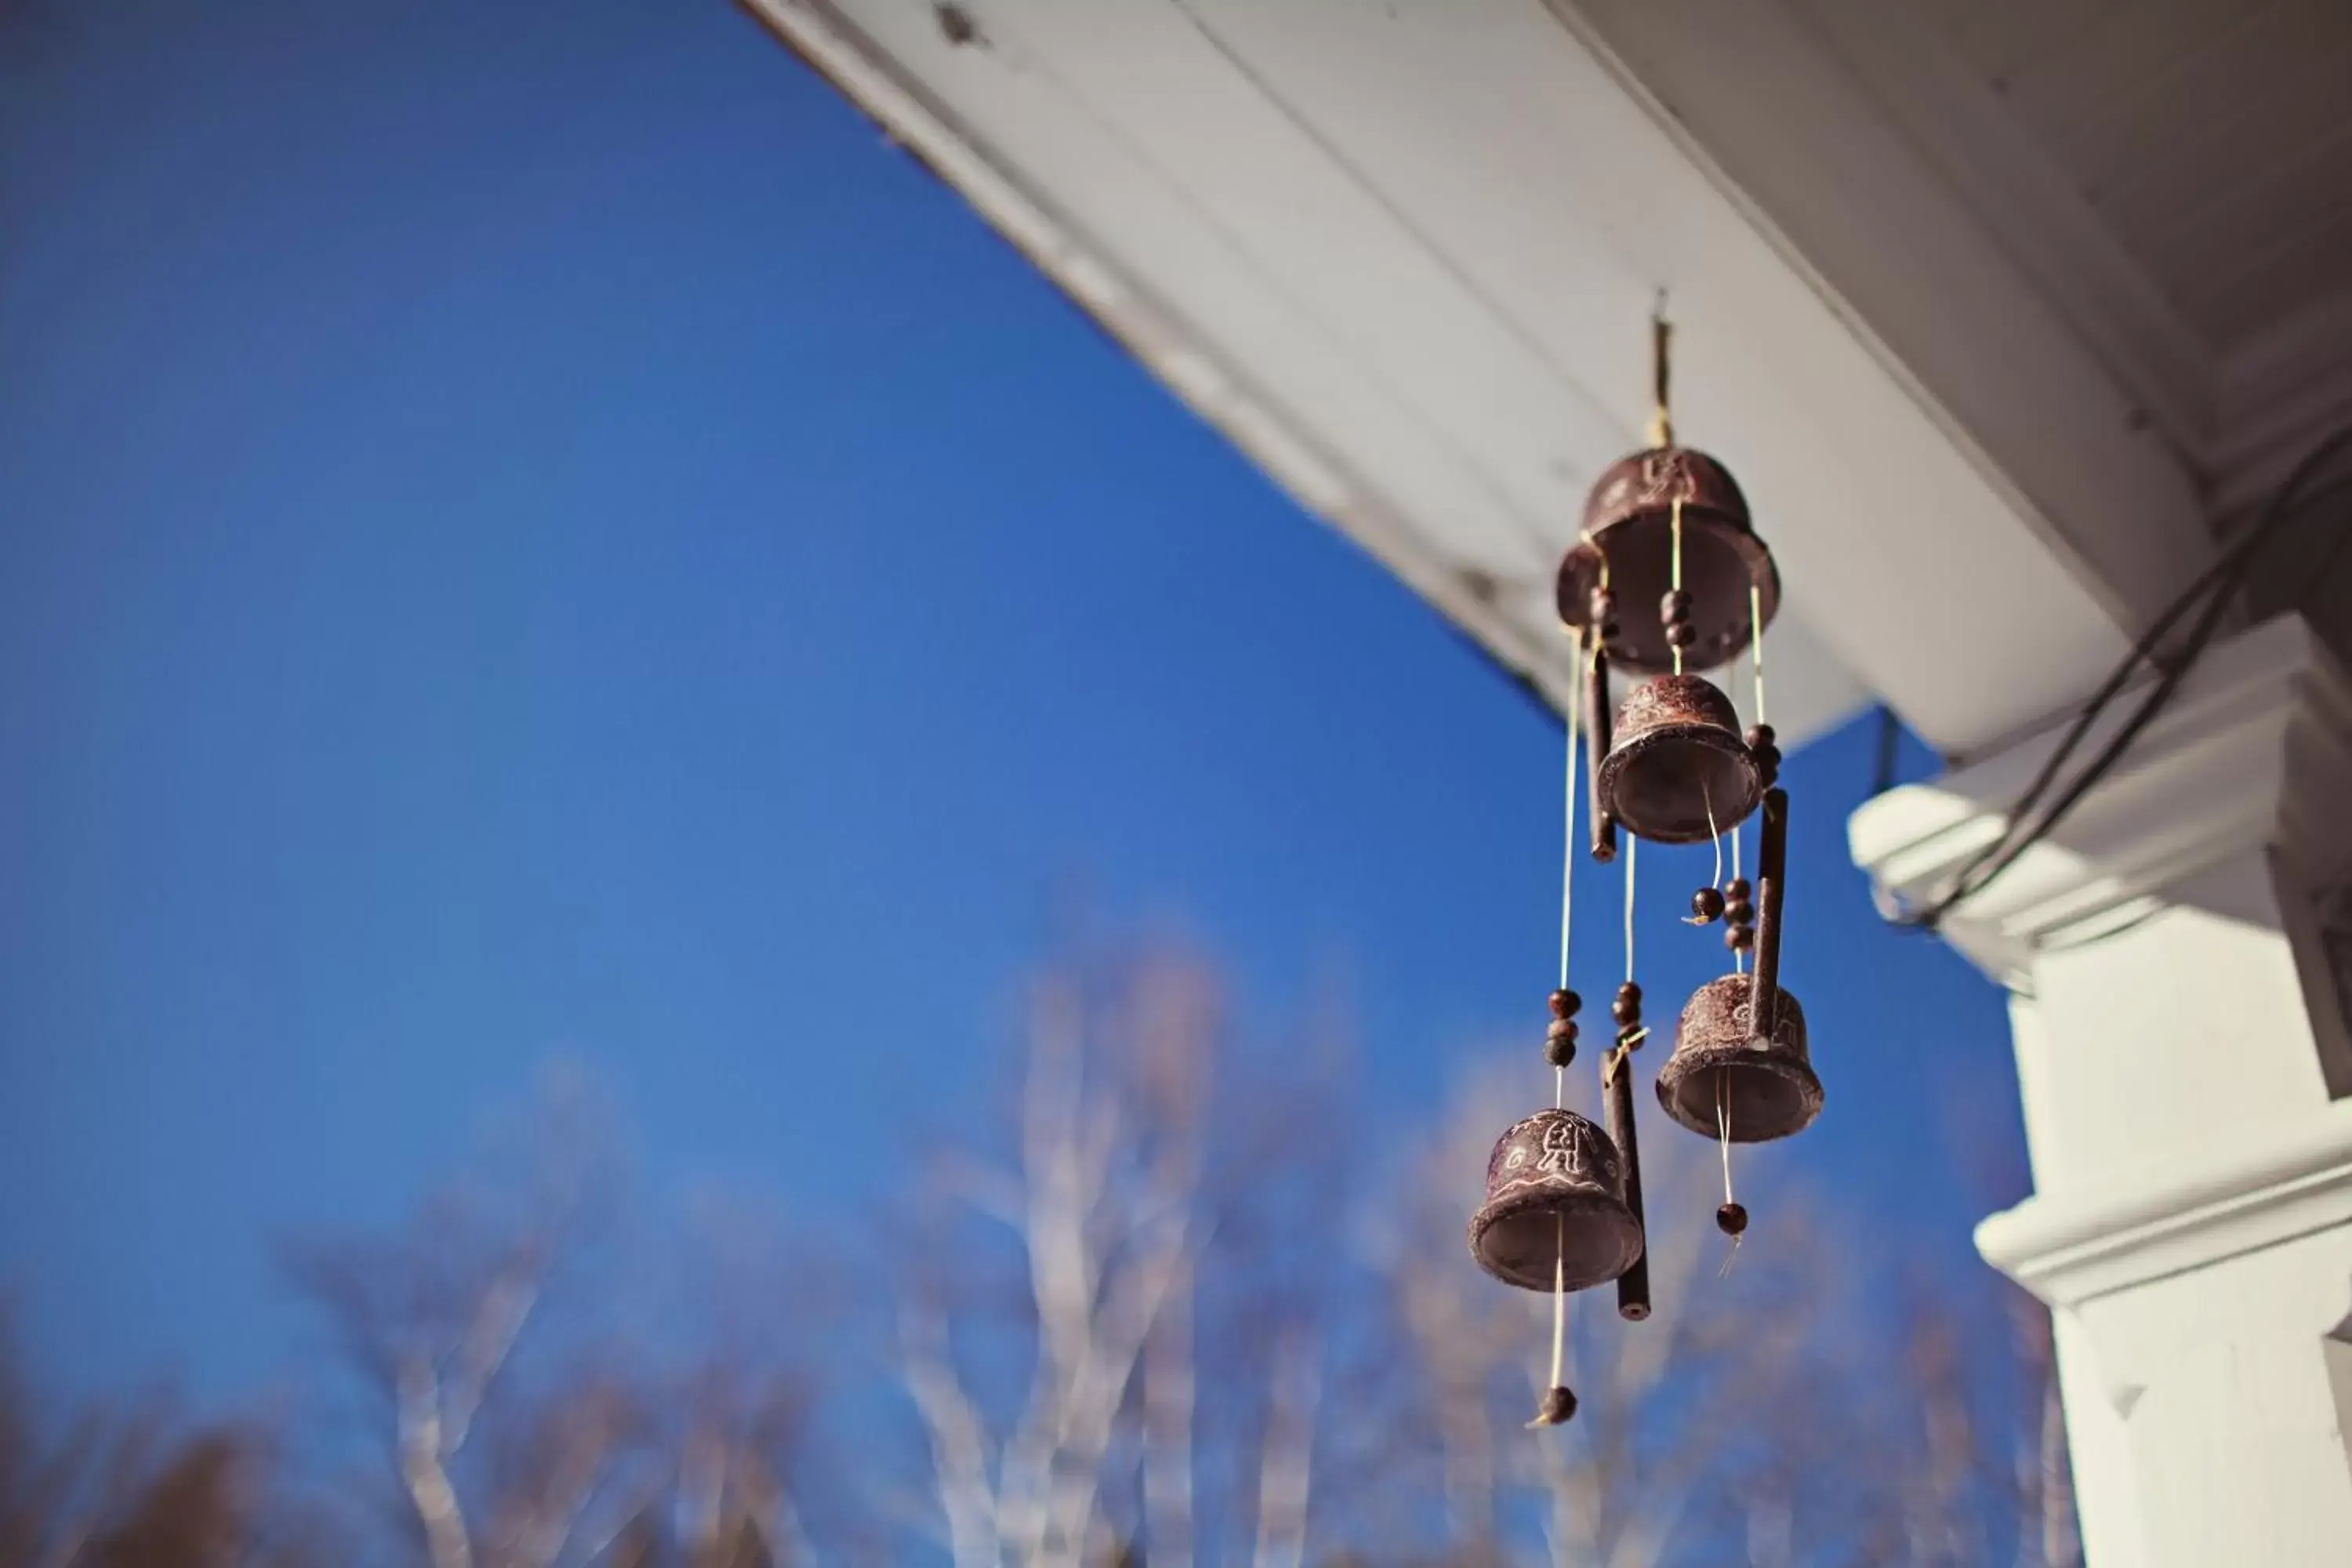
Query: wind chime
column 1563, row 1209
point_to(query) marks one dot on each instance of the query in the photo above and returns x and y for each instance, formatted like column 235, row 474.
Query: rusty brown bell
column 1677, row 771
column 1555, row 1208
column 1742, row 1066
column 1628, row 545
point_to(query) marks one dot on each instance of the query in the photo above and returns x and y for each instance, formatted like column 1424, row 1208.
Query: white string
column 1568, row 855
column 1723, row 1141
column 1678, row 575
column 1756, row 624
column 1723, row 1128
column 1631, row 845
column 1739, row 955
column 1559, row 1297
column 1715, row 835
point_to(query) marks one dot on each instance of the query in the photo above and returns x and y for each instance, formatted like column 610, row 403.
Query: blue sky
column 527, row 540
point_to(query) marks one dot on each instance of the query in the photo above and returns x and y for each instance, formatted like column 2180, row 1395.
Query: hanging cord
column 2214, row 590
column 1722, row 1127
column 1568, row 865
column 1731, row 1219
column 1756, row 637
column 1633, row 847
column 1662, row 334
column 1714, row 834
column 1715, row 837
column 1559, row 1300
column 1738, row 955
column 1632, row 1031
column 1675, row 579
column 1558, row 1403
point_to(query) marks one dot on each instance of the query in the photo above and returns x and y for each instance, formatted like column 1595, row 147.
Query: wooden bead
column 1707, row 905
column 1681, row 634
column 1740, row 912
column 1731, row 1219
column 1738, row 939
column 1566, row 1004
column 1675, row 604
column 1627, row 1008
column 1759, row 737
column 1560, row 1045
column 1559, row 1409
column 1737, row 890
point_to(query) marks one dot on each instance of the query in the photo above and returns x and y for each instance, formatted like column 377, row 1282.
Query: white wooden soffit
column 1404, row 254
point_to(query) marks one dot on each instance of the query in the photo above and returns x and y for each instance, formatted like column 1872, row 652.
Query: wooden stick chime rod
column 1771, row 873
column 1597, row 725
column 1617, row 1087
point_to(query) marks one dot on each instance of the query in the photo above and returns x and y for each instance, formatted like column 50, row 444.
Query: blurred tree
column 1057, row 1312
column 1181, row 1308
column 107, row 1489
column 522, row 1436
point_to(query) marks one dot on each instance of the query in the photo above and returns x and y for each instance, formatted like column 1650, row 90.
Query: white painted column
column 2178, row 1012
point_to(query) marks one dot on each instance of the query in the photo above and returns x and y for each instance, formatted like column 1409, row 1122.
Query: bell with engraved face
column 1555, row 1215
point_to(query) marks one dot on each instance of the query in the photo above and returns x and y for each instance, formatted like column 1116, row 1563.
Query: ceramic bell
column 1742, row 1069
column 1555, row 1197
column 1678, row 770
column 1628, row 544
column 1765, row 1077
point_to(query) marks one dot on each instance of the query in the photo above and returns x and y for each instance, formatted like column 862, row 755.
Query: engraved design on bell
column 1554, row 1194
column 1677, row 771
column 1629, row 524
column 1770, row 1087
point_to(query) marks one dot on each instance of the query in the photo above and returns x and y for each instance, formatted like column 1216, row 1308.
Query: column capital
column 2132, row 1228
column 2254, row 750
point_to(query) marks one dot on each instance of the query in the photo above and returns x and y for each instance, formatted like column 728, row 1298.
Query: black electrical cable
column 2216, row 588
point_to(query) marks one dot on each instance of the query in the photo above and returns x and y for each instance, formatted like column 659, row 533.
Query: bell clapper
column 1559, row 1406
column 1731, row 1218
column 1558, row 1403
column 1707, row 904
